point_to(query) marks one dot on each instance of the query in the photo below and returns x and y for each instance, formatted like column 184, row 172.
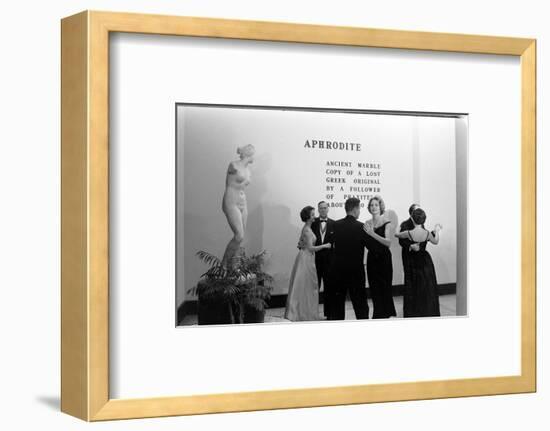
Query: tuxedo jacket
column 323, row 256
column 350, row 241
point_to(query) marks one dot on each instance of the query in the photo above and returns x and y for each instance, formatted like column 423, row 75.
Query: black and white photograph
column 277, row 215
column 289, row 214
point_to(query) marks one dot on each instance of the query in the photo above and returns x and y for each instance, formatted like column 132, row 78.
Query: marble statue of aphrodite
column 234, row 200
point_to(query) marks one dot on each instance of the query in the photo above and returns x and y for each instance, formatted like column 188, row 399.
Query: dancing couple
column 420, row 296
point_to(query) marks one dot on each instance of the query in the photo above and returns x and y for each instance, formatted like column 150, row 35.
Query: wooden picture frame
column 85, row 220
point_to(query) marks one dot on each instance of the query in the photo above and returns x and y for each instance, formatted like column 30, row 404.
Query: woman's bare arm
column 433, row 236
column 308, row 244
column 384, row 241
column 403, row 234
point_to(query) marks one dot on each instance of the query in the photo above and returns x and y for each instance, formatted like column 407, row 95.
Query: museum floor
column 447, row 304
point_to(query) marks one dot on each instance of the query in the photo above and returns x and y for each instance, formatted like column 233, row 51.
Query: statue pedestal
column 232, row 253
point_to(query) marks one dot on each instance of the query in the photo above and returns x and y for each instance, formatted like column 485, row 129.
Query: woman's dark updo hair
column 305, row 214
column 419, row 216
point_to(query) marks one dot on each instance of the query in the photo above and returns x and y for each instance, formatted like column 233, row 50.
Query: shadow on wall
column 256, row 193
column 254, row 241
column 270, row 225
column 281, row 242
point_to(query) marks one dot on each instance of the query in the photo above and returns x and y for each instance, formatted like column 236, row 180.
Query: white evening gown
column 302, row 302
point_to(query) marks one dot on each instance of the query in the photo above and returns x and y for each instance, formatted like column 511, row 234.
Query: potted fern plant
column 234, row 293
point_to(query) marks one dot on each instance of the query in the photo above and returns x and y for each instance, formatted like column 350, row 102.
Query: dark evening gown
column 422, row 283
column 380, row 275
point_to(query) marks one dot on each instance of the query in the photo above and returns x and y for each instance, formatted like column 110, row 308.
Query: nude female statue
column 234, row 199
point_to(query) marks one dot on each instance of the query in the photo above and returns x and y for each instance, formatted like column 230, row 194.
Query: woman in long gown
column 379, row 261
column 422, row 283
column 302, row 301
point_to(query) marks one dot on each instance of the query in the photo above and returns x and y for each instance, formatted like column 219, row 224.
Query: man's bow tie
column 323, row 220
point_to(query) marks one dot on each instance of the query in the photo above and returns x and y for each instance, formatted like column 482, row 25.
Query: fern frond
column 209, row 258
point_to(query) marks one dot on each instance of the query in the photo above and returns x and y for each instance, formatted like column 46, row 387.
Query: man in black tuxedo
column 407, row 247
column 348, row 270
column 323, row 228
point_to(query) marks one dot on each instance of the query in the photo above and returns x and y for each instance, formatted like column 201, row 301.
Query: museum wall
column 411, row 159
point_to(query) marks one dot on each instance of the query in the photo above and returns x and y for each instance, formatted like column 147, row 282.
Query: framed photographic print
column 333, row 155
column 246, row 202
